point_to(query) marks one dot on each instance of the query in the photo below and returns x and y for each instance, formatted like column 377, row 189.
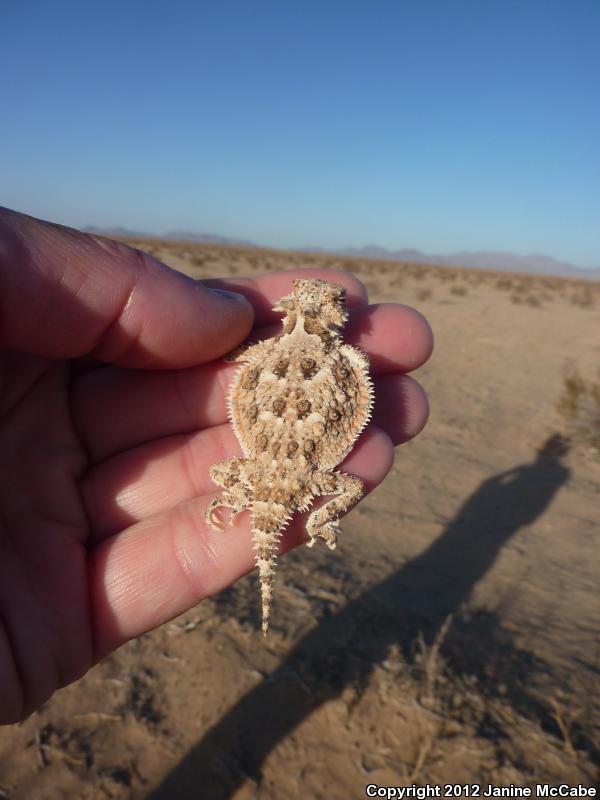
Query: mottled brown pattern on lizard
column 297, row 405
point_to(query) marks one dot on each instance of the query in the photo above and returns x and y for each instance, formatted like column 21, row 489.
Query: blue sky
column 437, row 125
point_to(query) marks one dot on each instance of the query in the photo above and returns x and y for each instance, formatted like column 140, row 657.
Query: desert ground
column 453, row 636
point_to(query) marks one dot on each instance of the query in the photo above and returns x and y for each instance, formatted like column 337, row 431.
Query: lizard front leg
column 322, row 523
column 236, row 495
column 246, row 352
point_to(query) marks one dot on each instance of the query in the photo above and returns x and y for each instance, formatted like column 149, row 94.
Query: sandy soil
column 454, row 635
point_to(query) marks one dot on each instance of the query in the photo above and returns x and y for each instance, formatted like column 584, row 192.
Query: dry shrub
column 424, row 294
column 579, row 404
column 530, row 299
column 545, row 296
column 418, row 273
column 533, row 300
column 584, row 297
column 461, row 291
column 476, row 277
column 554, row 284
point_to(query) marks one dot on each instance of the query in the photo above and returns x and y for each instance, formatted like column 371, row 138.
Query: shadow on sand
column 345, row 647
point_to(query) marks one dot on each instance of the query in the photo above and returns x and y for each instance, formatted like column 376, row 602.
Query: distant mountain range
column 495, row 260
column 178, row 236
column 501, row 261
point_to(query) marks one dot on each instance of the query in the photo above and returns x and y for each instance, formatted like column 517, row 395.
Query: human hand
column 112, row 410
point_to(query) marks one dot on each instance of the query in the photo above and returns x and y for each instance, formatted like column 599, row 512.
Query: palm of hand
column 46, row 637
column 105, row 469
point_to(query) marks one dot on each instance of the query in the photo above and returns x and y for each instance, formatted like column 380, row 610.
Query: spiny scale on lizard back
column 297, row 407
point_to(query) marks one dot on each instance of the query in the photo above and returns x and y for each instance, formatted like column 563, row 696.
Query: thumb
column 64, row 294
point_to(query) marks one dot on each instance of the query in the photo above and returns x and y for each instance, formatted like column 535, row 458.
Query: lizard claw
column 234, row 513
column 328, row 533
column 212, row 516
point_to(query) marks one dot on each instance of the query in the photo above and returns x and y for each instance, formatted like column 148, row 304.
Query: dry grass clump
column 429, row 663
column 522, row 731
column 579, row 404
column 459, row 290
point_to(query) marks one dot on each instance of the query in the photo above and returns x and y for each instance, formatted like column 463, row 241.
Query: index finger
column 64, row 294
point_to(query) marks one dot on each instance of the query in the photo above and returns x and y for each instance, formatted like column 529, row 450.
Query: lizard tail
column 265, row 560
column 267, row 532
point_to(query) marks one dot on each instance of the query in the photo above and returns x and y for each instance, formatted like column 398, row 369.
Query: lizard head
column 322, row 305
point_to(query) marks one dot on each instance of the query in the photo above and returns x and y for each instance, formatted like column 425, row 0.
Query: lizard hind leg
column 322, row 522
column 237, row 501
column 236, row 495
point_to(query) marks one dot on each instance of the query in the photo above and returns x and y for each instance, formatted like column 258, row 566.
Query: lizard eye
column 311, row 312
column 285, row 304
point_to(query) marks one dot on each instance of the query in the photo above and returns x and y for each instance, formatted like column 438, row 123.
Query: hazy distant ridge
column 501, row 261
column 180, row 236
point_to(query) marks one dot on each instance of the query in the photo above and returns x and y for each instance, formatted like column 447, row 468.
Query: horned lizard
column 297, row 406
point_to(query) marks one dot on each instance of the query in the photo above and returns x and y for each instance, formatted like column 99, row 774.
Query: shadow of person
column 436, row 583
column 345, row 647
